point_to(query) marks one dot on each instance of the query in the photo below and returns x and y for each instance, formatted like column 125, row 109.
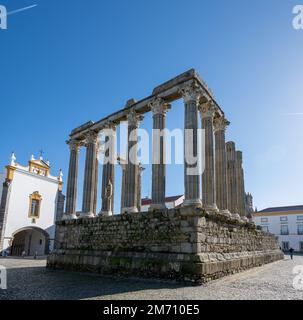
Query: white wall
column 274, row 227
column 23, row 185
column 2, row 179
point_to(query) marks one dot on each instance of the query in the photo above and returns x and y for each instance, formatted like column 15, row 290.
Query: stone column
column 90, row 174
column 96, row 179
column 240, row 185
column 208, row 177
column 123, row 167
column 231, row 178
column 220, row 125
column 139, row 187
column 60, row 205
column 191, row 96
column 159, row 109
column 131, row 173
column 108, row 175
column 72, row 182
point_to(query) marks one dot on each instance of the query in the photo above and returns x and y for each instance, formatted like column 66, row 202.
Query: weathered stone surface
column 168, row 244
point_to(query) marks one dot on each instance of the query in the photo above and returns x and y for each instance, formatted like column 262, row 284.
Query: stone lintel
column 169, row 91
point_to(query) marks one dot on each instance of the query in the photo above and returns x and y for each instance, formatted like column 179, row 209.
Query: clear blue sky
column 65, row 62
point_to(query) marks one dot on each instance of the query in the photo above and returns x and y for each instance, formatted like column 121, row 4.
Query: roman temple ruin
column 209, row 236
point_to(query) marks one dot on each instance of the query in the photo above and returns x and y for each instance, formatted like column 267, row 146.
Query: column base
column 87, row 215
column 236, row 216
column 129, row 210
column 192, row 203
column 69, row 216
column 244, row 219
column 106, row 213
column 226, row 213
column 158, row 206
column 211, row 208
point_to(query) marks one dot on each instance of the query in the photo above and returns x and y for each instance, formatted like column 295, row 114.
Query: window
column 300, row 218
column 284, row 230
column 34, row 205
column 285, row 246
column 283, row 219
column 264, row 220
column 300, row 229
column 265, row 229
column 301, row 245
column 35, row 208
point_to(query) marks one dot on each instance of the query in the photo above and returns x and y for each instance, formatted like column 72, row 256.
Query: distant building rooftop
column 280, row 210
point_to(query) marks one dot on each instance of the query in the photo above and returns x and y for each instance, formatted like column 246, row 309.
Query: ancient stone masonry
column 172, row 244
column 208, row 237
column 220, row 125
column 159, row 109
column 231, row 178
column 71, row 194
column 208, row 178
column 90, row 174
column 240, row 185
column 108, row 178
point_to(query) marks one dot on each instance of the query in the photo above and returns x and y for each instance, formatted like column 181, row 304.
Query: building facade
column 31, row 200
column 284, row 222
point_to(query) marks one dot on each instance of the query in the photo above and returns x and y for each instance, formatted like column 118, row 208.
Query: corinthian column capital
column 109, row 125
column 74, row 145
column 208, row 109
column 134, row 118
column 220, row 124
column 159, row 106
column 92, row 137
column 191, row 93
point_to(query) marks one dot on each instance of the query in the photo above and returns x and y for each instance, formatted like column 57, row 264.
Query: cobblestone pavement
column 29, row 279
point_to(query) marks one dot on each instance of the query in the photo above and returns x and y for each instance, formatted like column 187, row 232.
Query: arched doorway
column 31, row 240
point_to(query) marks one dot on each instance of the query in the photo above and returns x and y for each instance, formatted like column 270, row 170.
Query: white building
column 31, row 199
column 286, row 223
column 170, row 202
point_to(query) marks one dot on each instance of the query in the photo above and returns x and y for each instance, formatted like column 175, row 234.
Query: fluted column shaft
column 240, row 185
column 90, row 175
column 220, row 125
column 72, row 182
column 191, row 96
column 108, row 175
column 159, row 108
column 96, row 182
column 139, row 187
column 131, row 173
column 123, row 167
column 208, row 176
column 231, row 177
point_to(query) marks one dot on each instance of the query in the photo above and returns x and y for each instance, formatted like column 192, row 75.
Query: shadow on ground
column 31, row 283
